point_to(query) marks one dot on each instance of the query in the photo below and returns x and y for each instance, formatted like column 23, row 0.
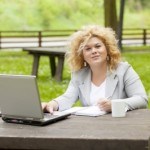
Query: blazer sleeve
column 135, row 90
column 70, row 96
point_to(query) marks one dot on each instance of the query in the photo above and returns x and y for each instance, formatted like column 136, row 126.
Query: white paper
column 74, row 109
column 71, row 111
column 86, row 111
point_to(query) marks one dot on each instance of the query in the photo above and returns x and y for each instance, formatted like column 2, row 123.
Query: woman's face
column 95, row 52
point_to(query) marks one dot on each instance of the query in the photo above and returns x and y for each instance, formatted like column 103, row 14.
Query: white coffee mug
column 118, row 108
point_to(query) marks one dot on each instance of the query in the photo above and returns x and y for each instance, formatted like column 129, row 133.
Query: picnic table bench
column 81, row 133
column 52, row 52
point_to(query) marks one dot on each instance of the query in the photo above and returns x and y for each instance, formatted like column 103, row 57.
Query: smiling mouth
column 95, row 57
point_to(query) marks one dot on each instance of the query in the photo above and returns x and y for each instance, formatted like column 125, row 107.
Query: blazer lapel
column 111, row 83
column 85, row 87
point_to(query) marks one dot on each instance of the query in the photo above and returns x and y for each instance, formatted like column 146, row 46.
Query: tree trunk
column 120, row 23
column 110, row 14
column 111, row 19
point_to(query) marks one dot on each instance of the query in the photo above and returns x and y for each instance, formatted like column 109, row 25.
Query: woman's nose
column 94, row 50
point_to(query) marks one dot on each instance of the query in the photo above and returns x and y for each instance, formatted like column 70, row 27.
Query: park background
column 66, row 14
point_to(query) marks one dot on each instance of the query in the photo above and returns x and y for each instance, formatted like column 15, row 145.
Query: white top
column 97, row 92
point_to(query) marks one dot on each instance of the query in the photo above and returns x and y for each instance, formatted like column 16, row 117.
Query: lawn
column 19, row 62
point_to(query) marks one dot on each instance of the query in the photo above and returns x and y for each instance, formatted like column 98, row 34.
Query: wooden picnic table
column 52, row 52
column 81, row 133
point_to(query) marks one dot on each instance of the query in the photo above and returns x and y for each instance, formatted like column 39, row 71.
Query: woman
column 98, row 74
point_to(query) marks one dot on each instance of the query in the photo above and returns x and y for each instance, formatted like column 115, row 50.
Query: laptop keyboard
column 49, row 116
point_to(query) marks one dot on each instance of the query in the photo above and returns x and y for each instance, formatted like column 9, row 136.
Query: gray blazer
column 123, row 83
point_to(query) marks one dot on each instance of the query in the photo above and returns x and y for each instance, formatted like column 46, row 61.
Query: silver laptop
column 20, row 101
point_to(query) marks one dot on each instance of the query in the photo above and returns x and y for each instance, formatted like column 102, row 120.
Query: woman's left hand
column 104, row 104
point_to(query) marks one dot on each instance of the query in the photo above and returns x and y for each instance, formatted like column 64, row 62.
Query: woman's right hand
column 50, row 106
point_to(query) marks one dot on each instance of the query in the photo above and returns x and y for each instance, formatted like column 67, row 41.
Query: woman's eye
column 98, row 46
column 88, row 49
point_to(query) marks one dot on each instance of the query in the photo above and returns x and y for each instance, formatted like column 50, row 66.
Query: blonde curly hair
column 79, row 39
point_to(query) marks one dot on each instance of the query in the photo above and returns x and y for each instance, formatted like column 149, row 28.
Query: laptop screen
column 19, row 96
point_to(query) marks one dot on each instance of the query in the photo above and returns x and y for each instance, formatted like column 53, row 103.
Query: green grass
column 19, row 62
column 145, row 48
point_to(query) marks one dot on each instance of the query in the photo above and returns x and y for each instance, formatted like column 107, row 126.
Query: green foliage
column 18, row 14
column 48, row 14
column 68, row 14
column 135, row 5
column 65, row 14
column 137, row 14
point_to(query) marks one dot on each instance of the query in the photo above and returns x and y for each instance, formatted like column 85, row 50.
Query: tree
column 110, row 14
column 111, row 19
